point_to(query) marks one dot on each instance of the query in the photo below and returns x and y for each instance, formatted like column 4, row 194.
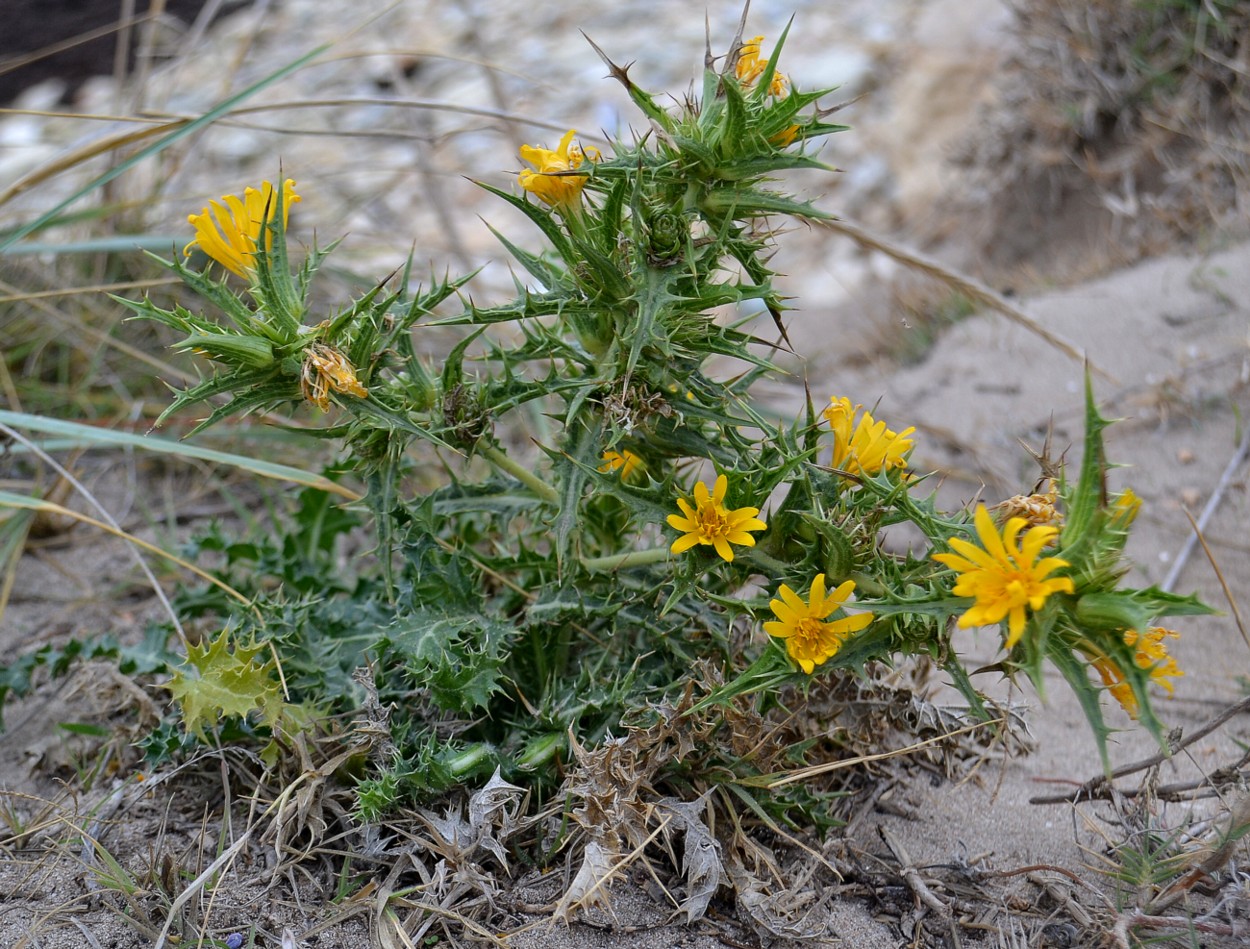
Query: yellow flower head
column 560, row 191
column 785, row 137
column 1124, row 508
column 625, row 462
column 1004, row 575
column 751, row 66
column 228, row 231
column 326, row 369
column 1149, row 653
column 710, row 522
column 864, row 446
column 810, row 640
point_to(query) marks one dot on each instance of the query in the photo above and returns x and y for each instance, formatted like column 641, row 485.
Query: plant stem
column 524, row 475
column 635, row 558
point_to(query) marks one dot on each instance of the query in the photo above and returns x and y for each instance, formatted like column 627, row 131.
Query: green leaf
column 220, row 678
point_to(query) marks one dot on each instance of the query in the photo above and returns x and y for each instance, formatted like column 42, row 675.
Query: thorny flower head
column 864, row 446
column 227, row 231
column 624, row 461
column 751, row 66
column 710, row 522
column 1149, row 652
column 1004, row 575
column 559, row 191
column 326, row 369
column 810, row 638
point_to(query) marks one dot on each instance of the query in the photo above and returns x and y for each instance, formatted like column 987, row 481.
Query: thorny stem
column 522, row 474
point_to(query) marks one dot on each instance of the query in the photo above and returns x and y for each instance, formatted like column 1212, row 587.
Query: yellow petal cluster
column 227, row 231
column 546, row 182
column 1149, row 652
column 708, row 521
column 810, row 638
column 1004, row 575
column 326, row 369
column 751, row 66
column 1124, row 508
column 864, row 445
column 625, row 462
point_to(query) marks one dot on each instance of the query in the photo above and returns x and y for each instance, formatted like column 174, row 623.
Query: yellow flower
column 751, row 66
column 624, row 461
column 710, row 522
column 561, row 191
column 810, row 640
column 1149, row 653
column 1124, row 508
column 228, row 231
column 867, row 446
column 785, row 137
column 1004, row 576
column 325, row 369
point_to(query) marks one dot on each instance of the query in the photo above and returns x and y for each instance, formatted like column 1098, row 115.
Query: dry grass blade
column 973, row 289
column 69, row 479
column 182, row 131
column 23, row 502
column 1213, row 503
column 782, row 778
column 193, row 888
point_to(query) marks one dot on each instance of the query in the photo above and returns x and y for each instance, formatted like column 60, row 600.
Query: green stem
column 635, row 558
column 524, row 475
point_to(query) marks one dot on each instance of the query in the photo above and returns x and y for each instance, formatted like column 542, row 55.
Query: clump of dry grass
column 1128, row 116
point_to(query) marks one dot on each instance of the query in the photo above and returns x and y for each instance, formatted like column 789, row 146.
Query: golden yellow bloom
column 227, row 231
column 1149, row 653
column 810, row 640
column 1004, row 576
column 866, row 446
column 751, row 66
column 624, row 461
column 785, row 137
column 560, row 191
column 1124, row 508
column 710, row 522
column 326, row 369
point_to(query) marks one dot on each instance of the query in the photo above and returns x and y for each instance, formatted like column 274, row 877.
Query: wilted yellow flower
column 1149, row 653
column 710, row 522
column 227, row 231
column 1004, row 576
column 866, row 446
column 560, row 191
column 751, row 66
column 326, row 369
column 624, row 461
column 1034, row 508
column 810, row 640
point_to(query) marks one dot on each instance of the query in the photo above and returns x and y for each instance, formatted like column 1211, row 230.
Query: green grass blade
column 160, row 145
column 100, row 437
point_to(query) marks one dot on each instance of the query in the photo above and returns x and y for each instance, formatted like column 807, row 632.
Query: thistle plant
column 644, row 560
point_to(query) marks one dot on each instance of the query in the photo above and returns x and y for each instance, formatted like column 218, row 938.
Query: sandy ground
column 1168, row 341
